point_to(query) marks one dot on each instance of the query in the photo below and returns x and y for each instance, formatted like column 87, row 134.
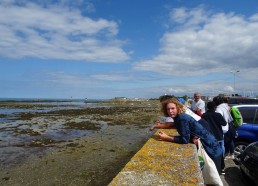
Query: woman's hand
column 158, row 124
column 164, row 136
column 195, row 140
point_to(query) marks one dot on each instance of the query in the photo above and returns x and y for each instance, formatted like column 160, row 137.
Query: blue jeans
column 229, row 149
column 222, row 146
column 222, row 157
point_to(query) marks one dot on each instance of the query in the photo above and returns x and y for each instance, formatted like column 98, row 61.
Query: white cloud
column 197, row 53
column 62, row 78
column 90, row 7
column 57, row 32
column 109, row 77
column 205, row 43
column 75, row 80
column 189, row 18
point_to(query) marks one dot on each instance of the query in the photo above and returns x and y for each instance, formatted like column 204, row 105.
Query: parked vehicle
column 249, row 163
column 242, row 100
column 248, row 131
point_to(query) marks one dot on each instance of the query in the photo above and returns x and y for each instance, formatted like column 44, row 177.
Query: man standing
column 198, row 105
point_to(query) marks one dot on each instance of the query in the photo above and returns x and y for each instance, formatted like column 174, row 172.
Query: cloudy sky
column 103, row 49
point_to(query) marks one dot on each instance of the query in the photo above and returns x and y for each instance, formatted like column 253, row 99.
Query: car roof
column 243, row 105
column 242, row 97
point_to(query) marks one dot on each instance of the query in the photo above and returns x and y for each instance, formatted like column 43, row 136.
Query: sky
column 101, row 49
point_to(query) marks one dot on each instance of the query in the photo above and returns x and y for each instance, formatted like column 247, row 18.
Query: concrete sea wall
column 161, row 163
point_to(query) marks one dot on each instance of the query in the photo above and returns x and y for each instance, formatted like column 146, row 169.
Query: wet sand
column 91, row 158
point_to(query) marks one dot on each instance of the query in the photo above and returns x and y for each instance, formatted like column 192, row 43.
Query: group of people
column 208, row 123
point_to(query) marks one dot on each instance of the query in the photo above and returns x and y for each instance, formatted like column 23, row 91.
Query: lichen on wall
column 162, row 163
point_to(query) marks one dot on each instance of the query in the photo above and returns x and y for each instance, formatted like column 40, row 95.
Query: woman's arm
column 165, row 137
column 160, row 125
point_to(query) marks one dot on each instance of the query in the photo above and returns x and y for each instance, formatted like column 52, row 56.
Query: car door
column 249, row 130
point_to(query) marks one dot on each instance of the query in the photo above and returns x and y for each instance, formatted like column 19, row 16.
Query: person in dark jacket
column 216, row 121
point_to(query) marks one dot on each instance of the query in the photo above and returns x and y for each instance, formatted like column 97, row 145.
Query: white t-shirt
column 199, row 104
column 191, row 113
column 169, row 119
column 224, row 111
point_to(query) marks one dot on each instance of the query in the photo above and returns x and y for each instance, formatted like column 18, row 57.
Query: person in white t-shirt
column 167, row 122
column 224, row 109
column 198, row 105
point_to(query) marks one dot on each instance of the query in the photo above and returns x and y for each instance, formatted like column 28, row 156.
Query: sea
column 51, row 100
column 57, row 103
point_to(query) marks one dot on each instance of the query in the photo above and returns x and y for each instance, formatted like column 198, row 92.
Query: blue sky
column 103, row 49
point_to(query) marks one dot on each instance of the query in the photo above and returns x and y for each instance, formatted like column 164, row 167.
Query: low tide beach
column 70, row 143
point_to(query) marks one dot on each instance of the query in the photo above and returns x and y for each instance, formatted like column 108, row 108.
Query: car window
column 256, row 116
column 248, row 114
column 242, row 101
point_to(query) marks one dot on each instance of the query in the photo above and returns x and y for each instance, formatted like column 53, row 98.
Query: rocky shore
column 80, row 146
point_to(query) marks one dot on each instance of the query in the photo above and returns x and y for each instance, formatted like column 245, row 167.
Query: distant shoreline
column 39, row 99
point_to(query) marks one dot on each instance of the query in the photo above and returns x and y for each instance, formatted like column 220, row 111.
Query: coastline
column 90, row 159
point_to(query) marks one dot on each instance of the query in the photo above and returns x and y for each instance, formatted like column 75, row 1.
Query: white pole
column 234, row 73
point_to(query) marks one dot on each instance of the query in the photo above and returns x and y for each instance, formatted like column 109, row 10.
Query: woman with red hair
column 190, row 130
